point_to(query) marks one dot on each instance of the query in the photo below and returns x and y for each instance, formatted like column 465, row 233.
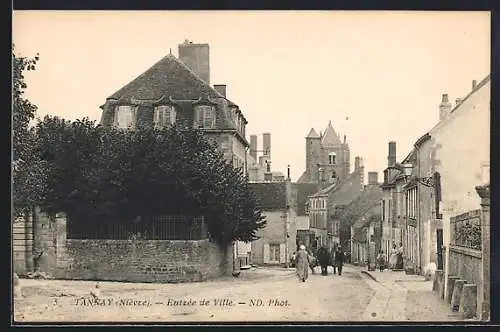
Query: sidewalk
column 403, row 297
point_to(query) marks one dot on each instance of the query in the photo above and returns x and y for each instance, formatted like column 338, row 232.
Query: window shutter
column 133, row 116
column 156, row 116
column 266, row 253
column 172, row 115
column 282, row 253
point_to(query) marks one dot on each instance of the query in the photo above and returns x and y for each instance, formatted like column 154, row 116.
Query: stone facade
column 278, row 240
column 123, row 260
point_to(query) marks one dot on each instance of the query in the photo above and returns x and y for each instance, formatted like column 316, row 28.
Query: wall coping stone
column 466, row 251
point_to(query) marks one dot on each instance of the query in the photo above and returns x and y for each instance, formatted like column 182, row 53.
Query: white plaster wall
column 462, row 143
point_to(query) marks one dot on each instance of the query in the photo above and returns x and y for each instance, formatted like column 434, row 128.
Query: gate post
column 484, row 295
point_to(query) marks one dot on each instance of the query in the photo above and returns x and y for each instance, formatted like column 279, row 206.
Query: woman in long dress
column 393, row 260
column 302, row 265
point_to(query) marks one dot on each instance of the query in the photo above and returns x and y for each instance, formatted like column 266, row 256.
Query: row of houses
column 432, row 201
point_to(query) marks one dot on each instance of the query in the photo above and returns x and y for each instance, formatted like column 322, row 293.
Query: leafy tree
column 28, row 170
column 105, row 173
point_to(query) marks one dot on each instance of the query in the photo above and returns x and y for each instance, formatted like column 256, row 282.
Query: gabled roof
column 303, row 191
column 330, row 138
column 366, row 204
column 312, row 134
column 168, row 78
column 271, row 196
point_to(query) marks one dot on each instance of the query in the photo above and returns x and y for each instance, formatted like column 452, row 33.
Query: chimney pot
column 197, row 58
column 444, row 107
column 266, row 143
column 392, row 154
column 458, row 101
column 253, row 146
column 220, row 88
column 372, row 178
column 474, row 84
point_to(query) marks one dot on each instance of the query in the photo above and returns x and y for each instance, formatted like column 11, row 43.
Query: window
column 331, row 158
column 164, row 116
column 125, row 116
column 411, row 197
column 205, row 116
column 383, row 210
column 274, row 252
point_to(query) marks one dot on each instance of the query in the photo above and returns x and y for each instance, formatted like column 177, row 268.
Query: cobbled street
column 260, row 295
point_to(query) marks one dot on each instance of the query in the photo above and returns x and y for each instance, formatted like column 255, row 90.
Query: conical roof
column 330, row 137
column 312, row 134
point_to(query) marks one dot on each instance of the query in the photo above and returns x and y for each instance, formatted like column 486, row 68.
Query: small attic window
column 125, row 116
column 164, row 116
column 204, row 116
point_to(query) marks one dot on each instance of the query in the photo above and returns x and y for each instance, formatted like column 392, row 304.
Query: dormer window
column 332, row 158
column 204, row 117
column 125, row 116
column 164, row 116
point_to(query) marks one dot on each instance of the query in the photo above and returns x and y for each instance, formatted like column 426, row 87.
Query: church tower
column 336, row 155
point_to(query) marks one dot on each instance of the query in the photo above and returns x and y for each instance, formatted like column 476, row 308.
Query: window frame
column 200, row 119
column 272, row 250
column 133, row 116
column 170, row 110
column 332, row 161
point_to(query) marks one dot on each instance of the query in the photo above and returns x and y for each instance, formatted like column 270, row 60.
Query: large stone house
column 174, row 91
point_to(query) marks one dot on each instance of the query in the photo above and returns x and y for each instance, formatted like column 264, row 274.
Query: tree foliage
column 28, row 170
column 105, row 173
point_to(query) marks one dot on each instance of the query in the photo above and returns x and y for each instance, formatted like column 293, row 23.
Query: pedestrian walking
column 400, row 264
column 339, row 259
column 393, row 259
column 292, row 259
column 312, row 261
column 302, row 263
column 381, row 260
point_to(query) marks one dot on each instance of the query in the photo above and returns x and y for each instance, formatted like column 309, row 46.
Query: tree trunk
column 225, row 264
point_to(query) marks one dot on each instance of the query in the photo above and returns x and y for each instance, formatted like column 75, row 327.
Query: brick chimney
column 197, row 58
column 266, row 144
column 357, row 163
column 444, row 107
column 253, row 146
column 220, row 88
column 372, row 178
column 391, row 159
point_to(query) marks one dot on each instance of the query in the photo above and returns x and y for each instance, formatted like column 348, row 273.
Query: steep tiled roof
column 336, row 186
column 303, row 192
column 330, row 138
column 271, row 196
column 169, row 77
column 312, row 134
column 367, row 203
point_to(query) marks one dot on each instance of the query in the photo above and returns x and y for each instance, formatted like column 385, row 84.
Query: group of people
column 304, row 261
column 395, row 259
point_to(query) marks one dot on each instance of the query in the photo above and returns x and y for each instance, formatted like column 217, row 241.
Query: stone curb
column 369, row 275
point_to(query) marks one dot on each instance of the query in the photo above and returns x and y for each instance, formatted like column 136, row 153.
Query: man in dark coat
column 339, row 259
column 324, row 260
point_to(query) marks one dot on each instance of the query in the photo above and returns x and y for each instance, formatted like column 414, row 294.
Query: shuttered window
column 125, row 116
column 164, row 116
column 274, row 252
column 205, row 117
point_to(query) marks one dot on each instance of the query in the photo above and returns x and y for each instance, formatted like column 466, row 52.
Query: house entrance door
column 439, row 242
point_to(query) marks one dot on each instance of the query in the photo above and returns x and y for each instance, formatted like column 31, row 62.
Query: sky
column 377, row 76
